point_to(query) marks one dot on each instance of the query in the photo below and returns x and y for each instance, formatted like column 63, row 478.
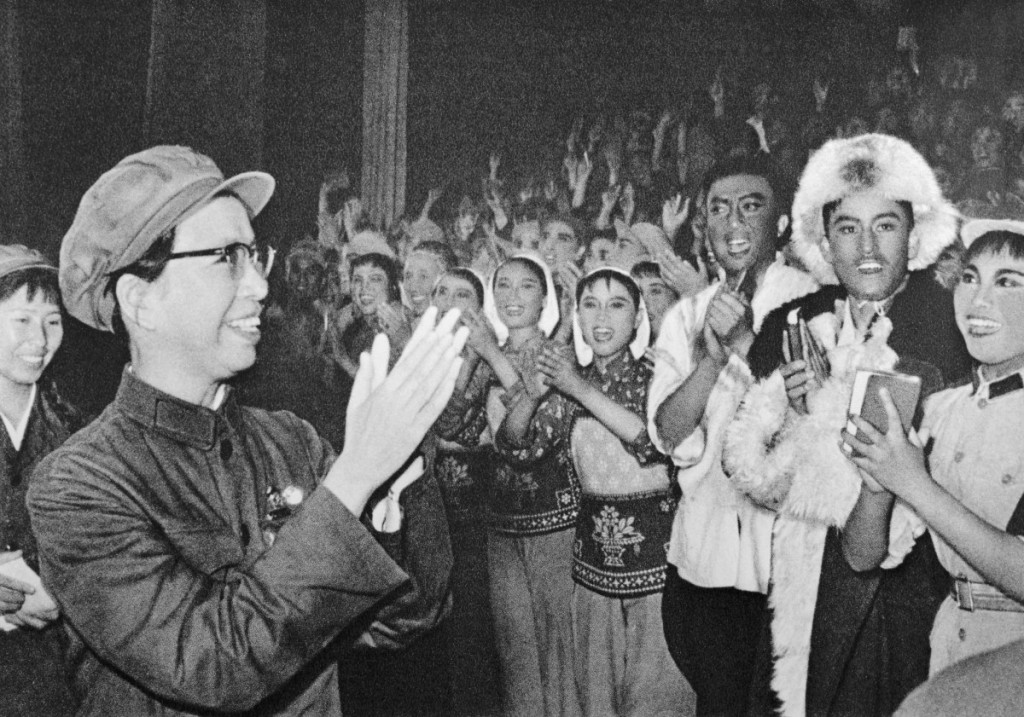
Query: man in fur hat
column 847, row 637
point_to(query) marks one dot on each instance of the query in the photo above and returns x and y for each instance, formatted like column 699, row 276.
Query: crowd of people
column 622, row 475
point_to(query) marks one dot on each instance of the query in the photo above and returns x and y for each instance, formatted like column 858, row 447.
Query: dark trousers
column 712, row 634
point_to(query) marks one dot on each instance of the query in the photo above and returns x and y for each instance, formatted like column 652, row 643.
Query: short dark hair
column 829, row 208
column 470, row 276
column 646, row 269
column 757, row 165
column 147, row 267
column 609, row 275
column 37, row 279
column 997, row 242
column 444, row 253
column 532, row 266
column 382, row 262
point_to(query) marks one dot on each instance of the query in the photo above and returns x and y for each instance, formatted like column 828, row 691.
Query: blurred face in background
column 369, row 288
column 306, row 277
column 987, row 147
column 558, row 244
column 1013, row 110
column 454, row 292
column 659, row 298
column 418, row 278
column 526, row 235
column 600, row 253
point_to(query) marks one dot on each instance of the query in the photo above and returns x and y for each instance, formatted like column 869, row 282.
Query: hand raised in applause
column 389, row 413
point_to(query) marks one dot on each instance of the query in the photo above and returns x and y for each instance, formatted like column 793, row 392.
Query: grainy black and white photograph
column 519, row 358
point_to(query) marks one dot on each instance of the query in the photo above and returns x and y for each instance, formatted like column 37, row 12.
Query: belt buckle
column 964, row 594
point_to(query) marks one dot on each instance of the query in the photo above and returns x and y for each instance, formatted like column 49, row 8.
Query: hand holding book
column 893, row 460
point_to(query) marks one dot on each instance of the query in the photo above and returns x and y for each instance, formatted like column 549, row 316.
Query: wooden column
column 12, row 148
column 385, row 77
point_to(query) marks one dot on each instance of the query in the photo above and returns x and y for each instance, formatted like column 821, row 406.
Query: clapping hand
column 680, row 274
column 730, row 318
column 389, row 413
column 559, row 370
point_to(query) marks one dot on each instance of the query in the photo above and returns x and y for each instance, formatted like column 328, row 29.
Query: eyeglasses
column 237, row 255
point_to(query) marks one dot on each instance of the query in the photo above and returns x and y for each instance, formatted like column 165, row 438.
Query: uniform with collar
column 153, row 535
column 974, row 432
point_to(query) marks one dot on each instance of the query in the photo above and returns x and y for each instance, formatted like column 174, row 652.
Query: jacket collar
column 1005, row 385
column 618, row 368
column 179, row 420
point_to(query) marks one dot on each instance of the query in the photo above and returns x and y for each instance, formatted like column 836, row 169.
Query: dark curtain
column 206, row 79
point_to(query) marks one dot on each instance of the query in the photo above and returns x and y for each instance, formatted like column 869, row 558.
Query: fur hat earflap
column 842, row 167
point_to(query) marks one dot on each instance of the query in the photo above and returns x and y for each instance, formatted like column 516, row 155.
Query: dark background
column 277, row 84
column 483, row 75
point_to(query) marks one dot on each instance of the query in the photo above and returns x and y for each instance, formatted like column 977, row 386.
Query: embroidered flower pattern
column 453, row 473
column 615, row 533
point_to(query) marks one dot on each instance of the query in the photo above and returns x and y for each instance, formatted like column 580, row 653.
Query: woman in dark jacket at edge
column 36, row 421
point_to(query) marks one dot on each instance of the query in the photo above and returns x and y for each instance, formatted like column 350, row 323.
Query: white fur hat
column 842, row 167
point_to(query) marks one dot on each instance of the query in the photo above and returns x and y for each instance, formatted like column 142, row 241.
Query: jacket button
column 226, row 449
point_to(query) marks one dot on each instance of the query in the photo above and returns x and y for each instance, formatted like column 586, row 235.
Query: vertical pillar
column 12, row 148
column 205, row 89
column 385, row 78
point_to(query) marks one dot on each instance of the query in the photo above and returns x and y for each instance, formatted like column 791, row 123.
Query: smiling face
column 989, row 305
column 418, row 279
column 742, row 223
column 454, row 292
column 369, row 288
column 608, row 317
column 206, row 314
column 519, row 294
column 558, row 243
column 659, row 298
column 31, row 331
column 868, row 239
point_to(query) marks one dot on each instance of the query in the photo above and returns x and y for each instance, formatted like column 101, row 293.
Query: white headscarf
column 548, row 316
column 640, row 342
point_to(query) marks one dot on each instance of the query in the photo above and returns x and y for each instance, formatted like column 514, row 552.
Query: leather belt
column 971, row 596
